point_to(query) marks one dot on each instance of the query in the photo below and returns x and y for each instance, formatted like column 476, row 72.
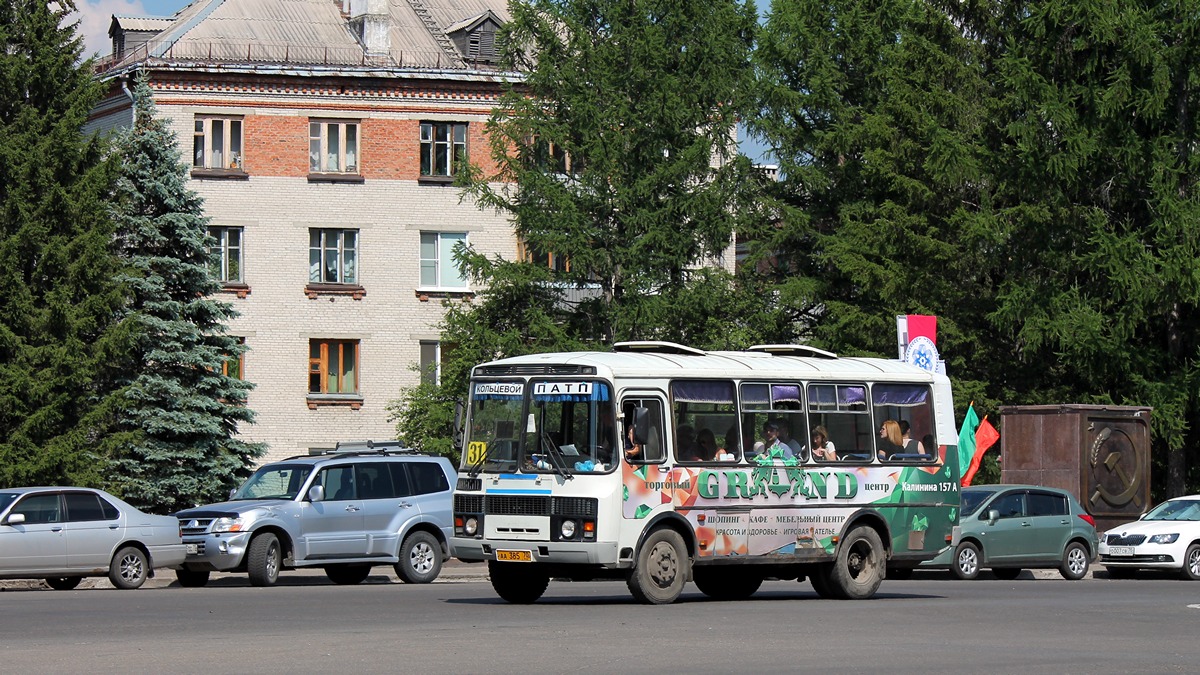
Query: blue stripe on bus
column 517, row 492
column 519, row 476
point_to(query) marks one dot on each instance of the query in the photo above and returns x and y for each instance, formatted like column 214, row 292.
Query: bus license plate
column 1120, row 550
column 515, row 556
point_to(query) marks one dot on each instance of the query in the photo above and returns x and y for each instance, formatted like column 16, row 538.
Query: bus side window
column 842, row 410
column 652, row 449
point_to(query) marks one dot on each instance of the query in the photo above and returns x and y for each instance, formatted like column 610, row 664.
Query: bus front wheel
column 860, row 564
column 661, row 570
column 518, row 583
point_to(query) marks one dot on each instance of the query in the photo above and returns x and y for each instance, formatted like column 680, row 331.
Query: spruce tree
column 183, row 410
column 1101, row 204
column 61, row 345
column 877, row 112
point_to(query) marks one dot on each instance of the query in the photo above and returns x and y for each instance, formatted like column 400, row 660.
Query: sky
column 95, row 16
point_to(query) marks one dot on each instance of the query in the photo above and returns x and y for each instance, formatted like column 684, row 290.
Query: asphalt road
column 306, row 625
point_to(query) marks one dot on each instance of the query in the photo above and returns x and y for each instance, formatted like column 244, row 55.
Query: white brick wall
column 278, row 319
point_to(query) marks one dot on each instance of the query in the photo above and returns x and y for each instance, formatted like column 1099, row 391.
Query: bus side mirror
column 458, row 425
column 641, row 425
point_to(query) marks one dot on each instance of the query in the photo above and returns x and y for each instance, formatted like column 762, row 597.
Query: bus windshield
column 550, row 426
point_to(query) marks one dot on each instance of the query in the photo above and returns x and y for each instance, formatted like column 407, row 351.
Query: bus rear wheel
column 661, row 569
column 820, row 580
column 727, row 583
column 860, row 564
column 518, row 583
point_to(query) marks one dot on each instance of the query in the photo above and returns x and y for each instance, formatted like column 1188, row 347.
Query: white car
column 1166, row 538
column 63, row 534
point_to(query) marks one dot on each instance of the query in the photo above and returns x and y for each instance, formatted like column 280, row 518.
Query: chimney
column 370, row 21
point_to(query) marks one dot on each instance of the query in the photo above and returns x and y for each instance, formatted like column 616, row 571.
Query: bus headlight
column 471, row 526
column 568, row 529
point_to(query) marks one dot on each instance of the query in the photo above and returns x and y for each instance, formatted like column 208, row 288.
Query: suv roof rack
column 371, row 448
column 793, row 350
column 657, row 347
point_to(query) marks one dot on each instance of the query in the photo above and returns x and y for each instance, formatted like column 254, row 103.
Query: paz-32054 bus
column 662, row 464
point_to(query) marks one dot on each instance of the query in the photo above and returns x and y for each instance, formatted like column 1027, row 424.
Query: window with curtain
column 333, row 366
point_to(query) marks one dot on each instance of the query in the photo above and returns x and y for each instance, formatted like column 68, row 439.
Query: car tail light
column 1088, row 519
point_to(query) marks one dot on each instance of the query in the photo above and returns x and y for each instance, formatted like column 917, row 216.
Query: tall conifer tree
column 183, row 410
column 60, row 344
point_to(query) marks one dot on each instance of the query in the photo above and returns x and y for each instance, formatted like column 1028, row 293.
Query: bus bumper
column 575, row 553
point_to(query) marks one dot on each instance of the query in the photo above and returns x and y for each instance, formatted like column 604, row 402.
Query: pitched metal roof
column 140, row 23
column 306, row 32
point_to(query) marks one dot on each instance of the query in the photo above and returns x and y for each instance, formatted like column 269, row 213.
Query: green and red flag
column 985, row 437
column 966, row 439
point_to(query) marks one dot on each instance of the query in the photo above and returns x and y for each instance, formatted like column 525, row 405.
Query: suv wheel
column 263, row 559
column 420, row 559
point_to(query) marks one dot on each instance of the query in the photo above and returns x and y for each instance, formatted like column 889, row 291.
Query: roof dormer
column 475, row 38
column 130, row 33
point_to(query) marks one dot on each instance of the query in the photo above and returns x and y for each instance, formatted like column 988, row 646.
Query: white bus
column 661, row 464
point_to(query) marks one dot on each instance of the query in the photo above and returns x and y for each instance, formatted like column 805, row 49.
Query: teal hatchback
column 1009, row 528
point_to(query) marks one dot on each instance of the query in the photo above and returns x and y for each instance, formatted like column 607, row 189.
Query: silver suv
column 344, row 511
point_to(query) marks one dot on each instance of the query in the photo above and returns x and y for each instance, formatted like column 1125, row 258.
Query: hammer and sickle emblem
column 1129, row 485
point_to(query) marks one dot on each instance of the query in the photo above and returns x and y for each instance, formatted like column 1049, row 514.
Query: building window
column 333, row 256
column 431, row 362
column 443, row 147
column 437, row 260
column 235, row 365
column 554, row 261
column 333, row 147
column 217, row 143
column 333, row 366
column 225, row 253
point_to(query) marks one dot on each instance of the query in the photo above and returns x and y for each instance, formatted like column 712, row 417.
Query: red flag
column 985, row 437
column 922, row 325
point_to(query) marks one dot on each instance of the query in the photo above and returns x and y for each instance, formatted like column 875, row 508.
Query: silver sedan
column 63, row 534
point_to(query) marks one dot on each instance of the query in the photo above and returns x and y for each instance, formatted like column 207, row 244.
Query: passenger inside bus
column 706, row 444
column 785, row 437
column 822, row 447
column 771, row 446
column 891, row 441
column 911, row 445
column 687, row 450
column 729, row 451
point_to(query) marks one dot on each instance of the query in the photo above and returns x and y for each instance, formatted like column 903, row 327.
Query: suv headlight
column 228, row 525
column 1164, row 538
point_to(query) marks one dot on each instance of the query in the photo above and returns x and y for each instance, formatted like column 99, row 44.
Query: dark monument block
column 1101, row 454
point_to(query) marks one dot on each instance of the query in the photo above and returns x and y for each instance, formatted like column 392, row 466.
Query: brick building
column 323, row 136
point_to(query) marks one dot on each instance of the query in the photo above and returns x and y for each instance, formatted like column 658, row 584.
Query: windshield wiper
column 474, row 469
column 556, row 457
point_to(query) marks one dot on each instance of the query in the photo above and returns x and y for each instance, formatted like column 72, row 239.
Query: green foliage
column 1024, row 171
column 60, row 340
column 615, row 153
column 180, row 412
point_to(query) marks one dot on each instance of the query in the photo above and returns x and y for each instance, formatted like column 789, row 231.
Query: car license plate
column 1120, row 550
column 515, row 556
column 192, row 549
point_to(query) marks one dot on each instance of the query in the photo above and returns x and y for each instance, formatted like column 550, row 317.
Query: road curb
column 452, row 573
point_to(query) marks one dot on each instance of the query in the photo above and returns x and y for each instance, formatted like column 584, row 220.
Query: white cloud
column 95, row 16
